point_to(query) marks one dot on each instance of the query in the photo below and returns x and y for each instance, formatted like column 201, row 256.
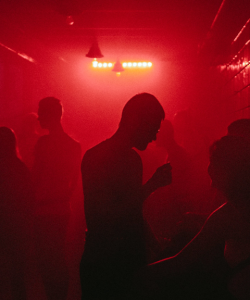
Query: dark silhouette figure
column 56, row 170
column 113, row 200
column 167, row 206
column 240, row 127
column 28, row 137
column 16, row 216
column 217, row 260
column 191, row 135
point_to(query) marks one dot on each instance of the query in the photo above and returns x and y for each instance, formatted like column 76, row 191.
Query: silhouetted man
column 113, row 200
column 56, row 169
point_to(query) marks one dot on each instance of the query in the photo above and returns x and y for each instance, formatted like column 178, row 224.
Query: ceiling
column 162, row 29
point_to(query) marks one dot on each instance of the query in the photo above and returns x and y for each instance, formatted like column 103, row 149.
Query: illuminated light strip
column 242, row 29
column 130, row 64
column 97, row 64
column 143, row 64
column 23, row 55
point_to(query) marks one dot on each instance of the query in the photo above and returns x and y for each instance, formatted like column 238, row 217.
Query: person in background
column 216, row 263
column 167, row 208
column 16, row 218
column 240, row 127
column 113, row 201
column 28, row 137
column 55, row 173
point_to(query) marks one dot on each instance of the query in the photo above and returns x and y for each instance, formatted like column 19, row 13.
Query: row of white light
column 97, row 64
column 137, row 64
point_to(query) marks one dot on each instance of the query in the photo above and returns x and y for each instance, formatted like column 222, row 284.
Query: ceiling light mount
column 118, row 68
column 94, row 51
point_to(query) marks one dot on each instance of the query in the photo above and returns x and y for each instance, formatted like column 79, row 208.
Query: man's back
column 57, row 159
column 112, row 178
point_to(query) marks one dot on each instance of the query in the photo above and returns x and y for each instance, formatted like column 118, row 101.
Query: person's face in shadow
column 146, row 133
column 47, row 120
column 219, row 178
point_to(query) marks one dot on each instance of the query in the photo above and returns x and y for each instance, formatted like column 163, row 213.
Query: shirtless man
column 113, row 201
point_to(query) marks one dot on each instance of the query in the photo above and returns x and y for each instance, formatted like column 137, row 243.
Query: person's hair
column 51, row 107
column 142, row 107
column 8, row 144
column 240, row 127
column 232, row 154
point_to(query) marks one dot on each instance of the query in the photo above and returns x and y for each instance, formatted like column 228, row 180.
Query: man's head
column 49, row 112
column 141, row 118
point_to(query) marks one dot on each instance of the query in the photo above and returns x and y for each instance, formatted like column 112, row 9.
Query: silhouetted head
column 49, row 112
column 30, row 124
column 8, row 147
column 141, row 117
column 165, row 136
column 240, row 127
column 229, row 167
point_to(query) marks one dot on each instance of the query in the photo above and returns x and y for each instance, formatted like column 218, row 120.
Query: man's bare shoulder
column 108, row 152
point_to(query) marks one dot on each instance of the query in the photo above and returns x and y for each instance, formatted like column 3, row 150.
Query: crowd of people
column 145, row 237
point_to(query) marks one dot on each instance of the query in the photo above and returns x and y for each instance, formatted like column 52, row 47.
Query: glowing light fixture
column 135, row 64
column 94, row 51
column 95, row 63
column 70, row 20
column 120, row 67
column 23, row 55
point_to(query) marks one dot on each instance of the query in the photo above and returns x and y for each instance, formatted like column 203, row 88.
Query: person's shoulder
column 21, row 167
column 71, row 140
column 223, row 217
column 99, row 150
column 134, row 155
column 71, row 143
column 43, row 138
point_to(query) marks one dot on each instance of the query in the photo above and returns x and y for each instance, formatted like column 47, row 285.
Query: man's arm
column 161, row 177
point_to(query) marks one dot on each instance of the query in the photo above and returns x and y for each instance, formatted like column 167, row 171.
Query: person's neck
column 123, row 138
column 56, row 129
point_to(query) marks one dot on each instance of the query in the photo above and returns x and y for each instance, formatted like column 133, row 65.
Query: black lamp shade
column 94, row 51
